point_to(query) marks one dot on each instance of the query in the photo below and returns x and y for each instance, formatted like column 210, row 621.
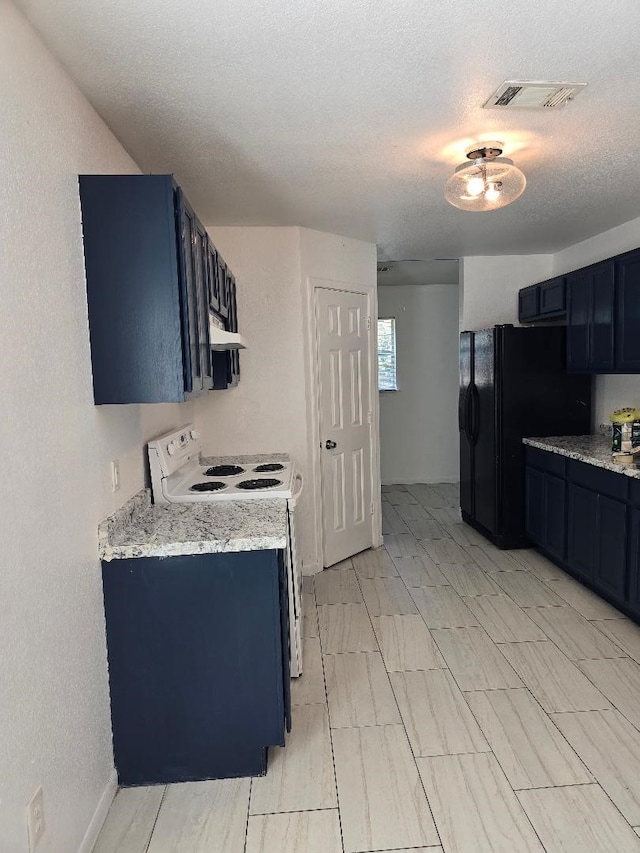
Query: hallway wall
column 418, row 422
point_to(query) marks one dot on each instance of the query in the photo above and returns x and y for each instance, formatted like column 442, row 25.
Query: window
column 387, row 355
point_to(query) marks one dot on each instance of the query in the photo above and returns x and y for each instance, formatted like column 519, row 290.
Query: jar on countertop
column 626, row 430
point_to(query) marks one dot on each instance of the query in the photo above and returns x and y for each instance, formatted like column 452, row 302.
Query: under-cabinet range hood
column 220, row 339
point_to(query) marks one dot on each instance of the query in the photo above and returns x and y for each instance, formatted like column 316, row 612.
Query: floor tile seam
column 613, row 642
column 379, row 651
column 296, row 811
column 551, row 640
column 402, row 718
column 155, row 820
column 333, row 757
column 548, row 717
column 517, row 799
column 636, row 726
column 246, row 825
column 568, row 659
column 507, row 661
column 583, row 785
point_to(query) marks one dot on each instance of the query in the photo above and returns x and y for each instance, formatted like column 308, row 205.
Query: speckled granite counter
column 140, row 529
column 592, row 449
column 252, row 459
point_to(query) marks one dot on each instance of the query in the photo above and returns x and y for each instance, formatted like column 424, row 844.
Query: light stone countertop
column 142, row 529
column 251, row 459
column 592, row 449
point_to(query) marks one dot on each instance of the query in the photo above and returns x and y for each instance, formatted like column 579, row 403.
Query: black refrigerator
column 513, row 383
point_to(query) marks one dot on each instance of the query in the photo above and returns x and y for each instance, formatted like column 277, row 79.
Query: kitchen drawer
column 544, row 460
column 599, row 480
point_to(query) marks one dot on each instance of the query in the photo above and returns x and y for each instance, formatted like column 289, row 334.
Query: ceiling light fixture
column 488, row 182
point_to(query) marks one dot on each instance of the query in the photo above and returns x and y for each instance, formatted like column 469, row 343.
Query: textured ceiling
column 349, row 115
column 418, row 272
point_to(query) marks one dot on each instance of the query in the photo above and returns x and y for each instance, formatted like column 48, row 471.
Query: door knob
column 330, row 444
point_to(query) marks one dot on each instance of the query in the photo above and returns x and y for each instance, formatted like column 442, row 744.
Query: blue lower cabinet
column 612, row 547
column 597, row 514
column 633, row 587
column 198, row 664
column 545, row 511
column 582, row 553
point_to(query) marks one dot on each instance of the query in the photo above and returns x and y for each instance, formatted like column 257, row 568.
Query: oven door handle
column 298, row 489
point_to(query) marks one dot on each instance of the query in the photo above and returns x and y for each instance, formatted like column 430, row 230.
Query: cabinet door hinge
column 371, row 509
column 368, row 319
column 369, row 417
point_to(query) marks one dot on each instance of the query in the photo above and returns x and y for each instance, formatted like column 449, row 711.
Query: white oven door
column 294, row 580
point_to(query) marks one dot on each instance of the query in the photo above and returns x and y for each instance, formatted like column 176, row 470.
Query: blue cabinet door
column 546, row 511
column 198, row 667
column 582, row 540
column 190, row 280
column 552, row 296
column 528, row 305
column 612, row 546
column 602, row 356
column 534, row 502
column 578, row 317
column 632, row 597
column 628, row 313
column 590, row 319
column 555, row 501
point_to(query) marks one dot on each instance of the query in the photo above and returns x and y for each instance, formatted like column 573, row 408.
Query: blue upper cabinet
column 628, row 313
column 152, row 281
column 543, row 302
column 590, row 319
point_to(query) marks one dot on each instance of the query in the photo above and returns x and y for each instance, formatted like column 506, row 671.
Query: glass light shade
column 503, row 184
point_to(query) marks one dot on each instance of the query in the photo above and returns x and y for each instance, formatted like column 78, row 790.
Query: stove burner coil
column 223, row 471
column 259, row 483
column 271, row 466
column 212, row 486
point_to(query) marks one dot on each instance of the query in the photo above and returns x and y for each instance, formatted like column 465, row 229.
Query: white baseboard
column 404, row 481
column 100, row 814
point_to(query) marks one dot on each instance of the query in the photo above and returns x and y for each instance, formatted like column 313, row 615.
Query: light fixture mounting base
column 485, row 150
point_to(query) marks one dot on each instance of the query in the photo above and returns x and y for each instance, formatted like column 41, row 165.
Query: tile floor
column 455, row 698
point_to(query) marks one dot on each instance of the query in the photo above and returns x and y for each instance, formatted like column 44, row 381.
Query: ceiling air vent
column 383, row 269
column 532, row 95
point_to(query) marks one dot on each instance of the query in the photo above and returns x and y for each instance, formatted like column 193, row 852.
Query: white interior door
column 345, row 422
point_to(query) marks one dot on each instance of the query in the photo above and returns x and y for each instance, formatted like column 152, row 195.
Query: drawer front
column 544, row 460
column 599, row 480
column 553, row 296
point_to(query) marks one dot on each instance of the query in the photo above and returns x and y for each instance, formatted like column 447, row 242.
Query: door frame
column 310, row 284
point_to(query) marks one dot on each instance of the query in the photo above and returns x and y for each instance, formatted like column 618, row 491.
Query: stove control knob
column 195, row 434
column 171, row 448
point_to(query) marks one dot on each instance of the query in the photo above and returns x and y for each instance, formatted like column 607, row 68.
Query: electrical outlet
column 605, row 429
column 35, row 819
column 115, row 475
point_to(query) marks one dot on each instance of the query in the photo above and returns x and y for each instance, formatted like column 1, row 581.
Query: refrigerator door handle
column 463, row 411
column 475, row 414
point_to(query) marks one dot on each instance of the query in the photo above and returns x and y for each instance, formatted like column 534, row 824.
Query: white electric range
column 179, row 475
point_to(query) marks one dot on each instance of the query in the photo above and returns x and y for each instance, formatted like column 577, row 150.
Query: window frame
column 395, row 354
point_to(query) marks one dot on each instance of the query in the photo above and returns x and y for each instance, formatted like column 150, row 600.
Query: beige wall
column 55, row 449
column 270, row 410
column 419, row 421
column 490, row 285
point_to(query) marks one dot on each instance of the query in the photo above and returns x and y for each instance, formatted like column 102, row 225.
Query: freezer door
column 464, row 422
column 483, row 430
